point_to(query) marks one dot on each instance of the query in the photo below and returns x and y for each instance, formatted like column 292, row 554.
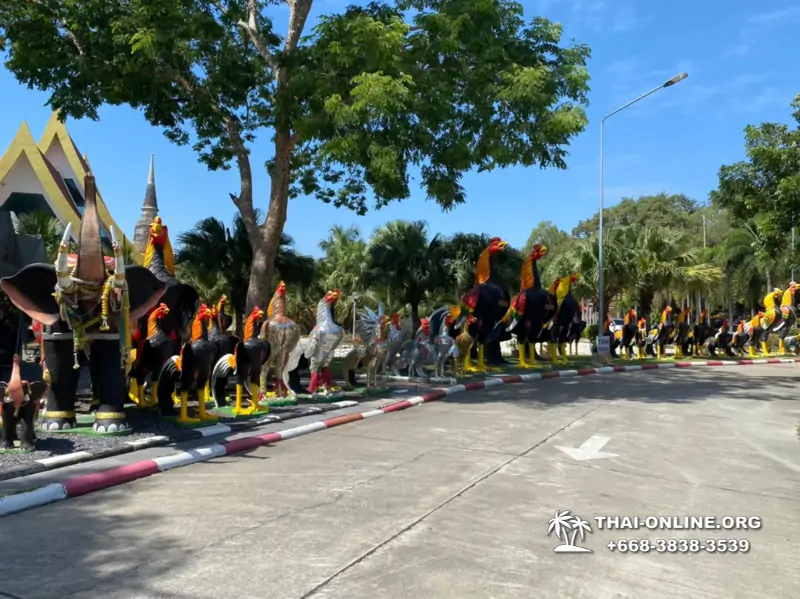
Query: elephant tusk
column 119, row 260
column 63, row 273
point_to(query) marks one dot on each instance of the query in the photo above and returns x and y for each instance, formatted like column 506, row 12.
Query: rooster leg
column 202, row 398
column 562, row 348
column 254, row 392
column 481, row 365
column 238, row 410
column 781, row 347
column 154, row 393
column 532, row 355
column 133, row 391
column 184, row 414
column 765, row 348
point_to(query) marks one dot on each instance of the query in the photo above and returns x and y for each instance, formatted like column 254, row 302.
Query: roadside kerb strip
column 97, row 481
column 179, row 436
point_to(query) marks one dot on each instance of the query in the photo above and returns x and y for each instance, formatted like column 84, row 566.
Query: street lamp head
column 676, row 79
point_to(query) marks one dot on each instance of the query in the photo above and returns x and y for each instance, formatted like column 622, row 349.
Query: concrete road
column 452, row 500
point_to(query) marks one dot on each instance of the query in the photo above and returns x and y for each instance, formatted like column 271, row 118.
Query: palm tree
column 463, row 249
column 404, row 260
column 582, row 257
column 560, row 524
column 210, row 251
column 579, row 527
column 40, row 223
column 660, row 263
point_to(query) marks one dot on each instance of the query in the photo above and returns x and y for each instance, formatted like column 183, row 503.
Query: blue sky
column 743, row 68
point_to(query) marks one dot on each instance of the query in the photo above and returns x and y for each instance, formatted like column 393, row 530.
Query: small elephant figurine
column 19, row 406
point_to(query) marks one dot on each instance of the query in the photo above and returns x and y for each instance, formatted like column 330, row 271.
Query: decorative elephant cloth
column 86, row 313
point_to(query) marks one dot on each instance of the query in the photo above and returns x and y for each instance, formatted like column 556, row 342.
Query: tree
column 662, row 261
column 352, row 106
column 210, row 252
column 403, row 258
column 548, row 234
column 44, row 225
column 764, row 189
column 656, row 211
column 462, row 251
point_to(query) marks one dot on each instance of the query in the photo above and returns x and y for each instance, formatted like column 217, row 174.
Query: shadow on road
column 672, row 386
column 77, row 546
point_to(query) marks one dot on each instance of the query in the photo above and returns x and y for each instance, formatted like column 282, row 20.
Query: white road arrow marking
column 589, row 450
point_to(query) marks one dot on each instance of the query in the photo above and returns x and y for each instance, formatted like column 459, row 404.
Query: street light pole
column 601, row 313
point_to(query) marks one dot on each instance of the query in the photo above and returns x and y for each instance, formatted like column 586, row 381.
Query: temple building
column 48, row 176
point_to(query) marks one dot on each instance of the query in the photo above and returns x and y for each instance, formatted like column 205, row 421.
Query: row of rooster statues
column 137, row 328
column 749, row 337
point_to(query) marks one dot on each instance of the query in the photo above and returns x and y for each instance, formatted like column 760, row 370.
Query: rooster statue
column 700, row 334
column 630, row 334
column 682, row 329
column 721, row 340
column 420, row 350
column 248, row 356
column 369, row 328
column 318, row 348
column 531, row 309
column 193, row 367
column 663, row 334
column 151, row 353
column 181, row 300
column 576, row 328
column 567, row 310
column 442, row 321
column 488, row 300
column 464, row 343
column 395, row 339
column 752, row 334
column 283, row 335
column 772, row 317
column 789, row 307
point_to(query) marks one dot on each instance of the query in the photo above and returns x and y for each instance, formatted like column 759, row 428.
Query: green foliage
column 764, row 189
column 365, row 96
column 469, row 85
column 657, row 211
column 216, row 260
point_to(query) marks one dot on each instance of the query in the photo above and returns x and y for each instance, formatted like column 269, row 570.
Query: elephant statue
column 86, row 314
column 19, row 404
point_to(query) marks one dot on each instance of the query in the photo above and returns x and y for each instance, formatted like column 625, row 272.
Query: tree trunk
column 769, row 282
column 415, row 319
column 729, row 292
column 270, row 233
column 238, row 319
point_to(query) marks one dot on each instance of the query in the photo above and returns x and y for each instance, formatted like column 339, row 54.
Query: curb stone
column 179, row 436
column 97, row 481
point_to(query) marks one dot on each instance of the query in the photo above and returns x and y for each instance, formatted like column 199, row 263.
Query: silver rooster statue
column 445, row 345
column 395, row 341
column 372, row 354
column 420, row 350
column 323, row 340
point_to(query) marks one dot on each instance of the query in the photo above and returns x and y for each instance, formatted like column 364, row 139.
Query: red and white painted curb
column 97, row 481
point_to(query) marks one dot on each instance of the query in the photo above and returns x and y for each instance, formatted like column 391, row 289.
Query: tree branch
column 69, row 33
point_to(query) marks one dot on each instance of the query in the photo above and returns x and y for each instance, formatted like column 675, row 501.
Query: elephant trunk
column 90, row 266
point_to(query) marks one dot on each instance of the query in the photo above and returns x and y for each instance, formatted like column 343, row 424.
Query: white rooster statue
column 320, row 345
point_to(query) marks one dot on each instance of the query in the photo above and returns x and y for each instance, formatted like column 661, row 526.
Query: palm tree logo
column 567, row 527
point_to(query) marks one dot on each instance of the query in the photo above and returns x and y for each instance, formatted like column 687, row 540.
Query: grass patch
column 84, row 427
column 227, row 412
